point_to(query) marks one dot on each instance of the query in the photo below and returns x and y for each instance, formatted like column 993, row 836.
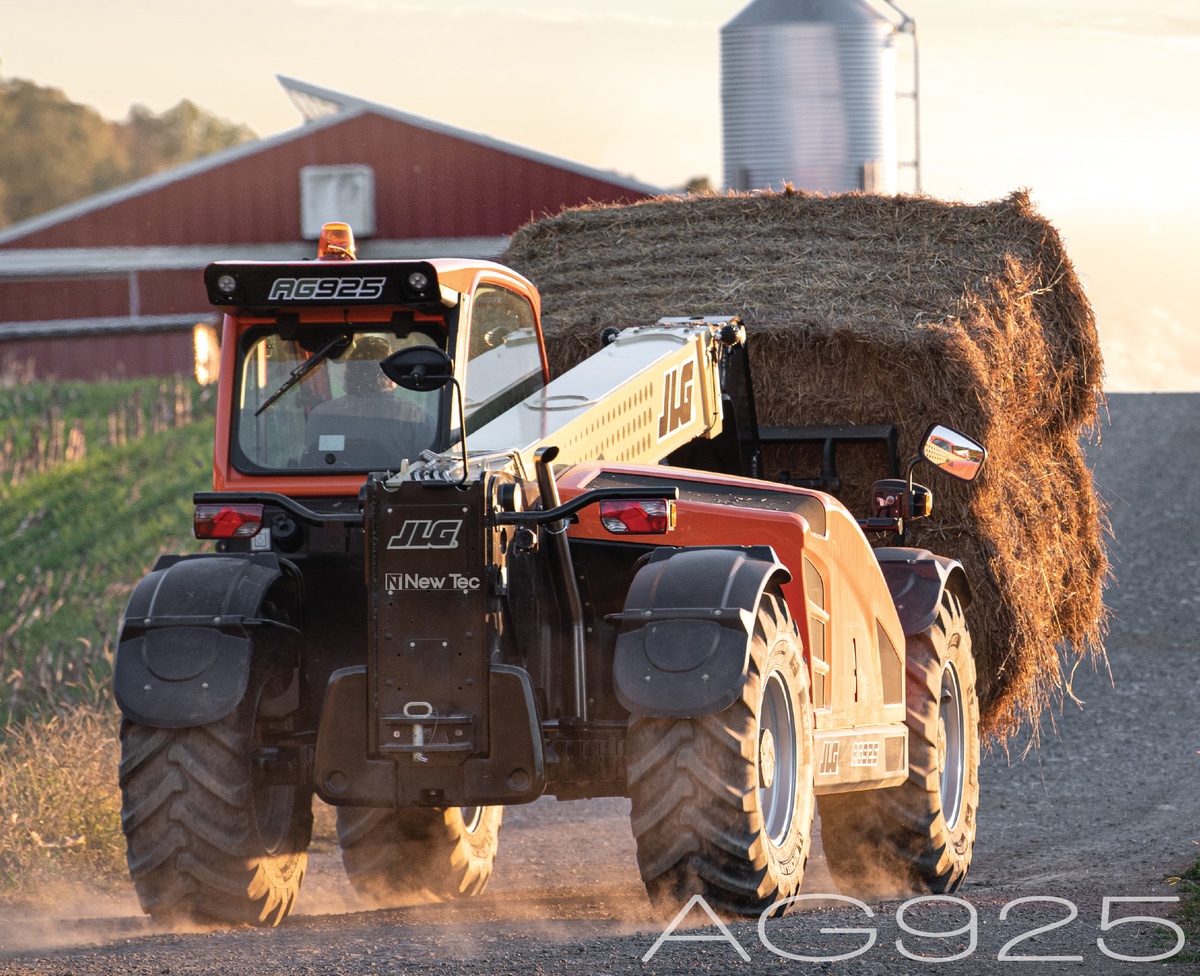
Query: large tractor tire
column 411, row 855
column 723, row 804
column 918, row 837
column 205, row 842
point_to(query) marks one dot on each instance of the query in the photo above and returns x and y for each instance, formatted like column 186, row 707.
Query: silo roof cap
column 766, row 12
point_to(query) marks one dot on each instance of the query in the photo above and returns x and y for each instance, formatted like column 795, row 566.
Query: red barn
column 111, row 285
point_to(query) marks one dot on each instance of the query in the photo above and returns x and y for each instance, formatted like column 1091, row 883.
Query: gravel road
column 1105, row 809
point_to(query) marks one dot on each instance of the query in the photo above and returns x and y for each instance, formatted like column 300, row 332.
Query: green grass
column 76, row 538
column 101, row 410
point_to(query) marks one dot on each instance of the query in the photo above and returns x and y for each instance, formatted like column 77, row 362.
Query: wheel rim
column 951, row 745
column 472, row 818
column 273, row 816
column 777, row 759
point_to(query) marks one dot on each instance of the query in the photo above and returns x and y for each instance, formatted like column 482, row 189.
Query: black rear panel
column 428, row 634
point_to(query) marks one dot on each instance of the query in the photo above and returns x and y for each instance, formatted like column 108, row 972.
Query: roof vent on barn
column 313, row 102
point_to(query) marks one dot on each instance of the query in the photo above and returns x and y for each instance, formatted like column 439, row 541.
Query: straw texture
column 865, row 309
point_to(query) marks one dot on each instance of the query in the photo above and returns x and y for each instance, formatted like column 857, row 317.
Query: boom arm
column 649, row 391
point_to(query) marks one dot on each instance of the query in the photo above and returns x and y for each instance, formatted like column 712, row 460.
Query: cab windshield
column 312, row 399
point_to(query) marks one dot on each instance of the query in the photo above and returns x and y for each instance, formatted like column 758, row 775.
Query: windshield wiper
column 306, row 367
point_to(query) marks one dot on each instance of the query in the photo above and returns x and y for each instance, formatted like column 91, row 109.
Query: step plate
column 863, row 758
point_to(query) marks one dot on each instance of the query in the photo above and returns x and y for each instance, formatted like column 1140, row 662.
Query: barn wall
column 98, row 357
column 50, row 299
column 427, row 184
column 46, row 299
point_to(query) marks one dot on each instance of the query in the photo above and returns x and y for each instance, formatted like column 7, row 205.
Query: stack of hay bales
column 865, row 309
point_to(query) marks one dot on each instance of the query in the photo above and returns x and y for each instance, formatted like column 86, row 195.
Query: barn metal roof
column 111, row 325
column 317, row 104
column 56, row 262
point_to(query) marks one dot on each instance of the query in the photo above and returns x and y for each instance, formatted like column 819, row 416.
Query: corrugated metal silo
column 808, row 96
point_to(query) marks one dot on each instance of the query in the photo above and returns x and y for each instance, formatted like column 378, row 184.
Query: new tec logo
column 320, row 289
column 426, row 534
column 414, row 581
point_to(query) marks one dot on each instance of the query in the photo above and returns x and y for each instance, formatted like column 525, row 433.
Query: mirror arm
column 462, row 420
column 907, row 504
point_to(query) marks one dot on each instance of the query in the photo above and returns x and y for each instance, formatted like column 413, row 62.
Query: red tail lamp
column 638, row 516
column 227, row 521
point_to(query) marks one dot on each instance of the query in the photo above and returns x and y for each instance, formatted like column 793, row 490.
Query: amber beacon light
column 336, row 243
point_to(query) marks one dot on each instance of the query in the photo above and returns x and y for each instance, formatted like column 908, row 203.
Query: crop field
column 95, row 482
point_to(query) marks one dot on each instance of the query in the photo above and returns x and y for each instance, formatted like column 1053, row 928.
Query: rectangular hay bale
column 866, row 309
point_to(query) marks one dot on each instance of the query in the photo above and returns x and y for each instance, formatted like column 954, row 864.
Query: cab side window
column 504, row 363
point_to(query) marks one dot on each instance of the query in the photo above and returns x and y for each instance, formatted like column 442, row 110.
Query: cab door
column 502, row 350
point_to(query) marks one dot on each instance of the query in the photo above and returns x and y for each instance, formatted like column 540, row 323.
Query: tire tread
column 693, row 783
column 191, row 841
column 402, row 856
column 901, row 830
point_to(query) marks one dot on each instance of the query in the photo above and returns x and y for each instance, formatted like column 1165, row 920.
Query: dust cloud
column 71, row 916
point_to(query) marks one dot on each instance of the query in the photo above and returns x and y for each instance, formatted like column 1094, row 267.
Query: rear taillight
column 227, row 521
column 641, row 516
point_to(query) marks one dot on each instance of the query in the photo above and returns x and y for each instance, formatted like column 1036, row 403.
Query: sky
column 1092, row 105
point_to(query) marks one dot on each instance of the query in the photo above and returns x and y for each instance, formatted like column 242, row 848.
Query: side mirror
column 419, row 368
column 953, row 452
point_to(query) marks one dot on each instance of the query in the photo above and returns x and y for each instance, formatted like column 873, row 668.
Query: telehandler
column 441, row 582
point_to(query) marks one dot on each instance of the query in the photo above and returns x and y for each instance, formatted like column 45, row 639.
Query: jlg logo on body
column 677, row 409
column 427, row 534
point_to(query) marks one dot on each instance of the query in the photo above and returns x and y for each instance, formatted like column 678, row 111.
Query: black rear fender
column 191, row 629
column 917, row 579
column 686, row 629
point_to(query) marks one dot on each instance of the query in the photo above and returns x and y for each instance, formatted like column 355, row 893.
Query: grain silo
column 808, row 95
